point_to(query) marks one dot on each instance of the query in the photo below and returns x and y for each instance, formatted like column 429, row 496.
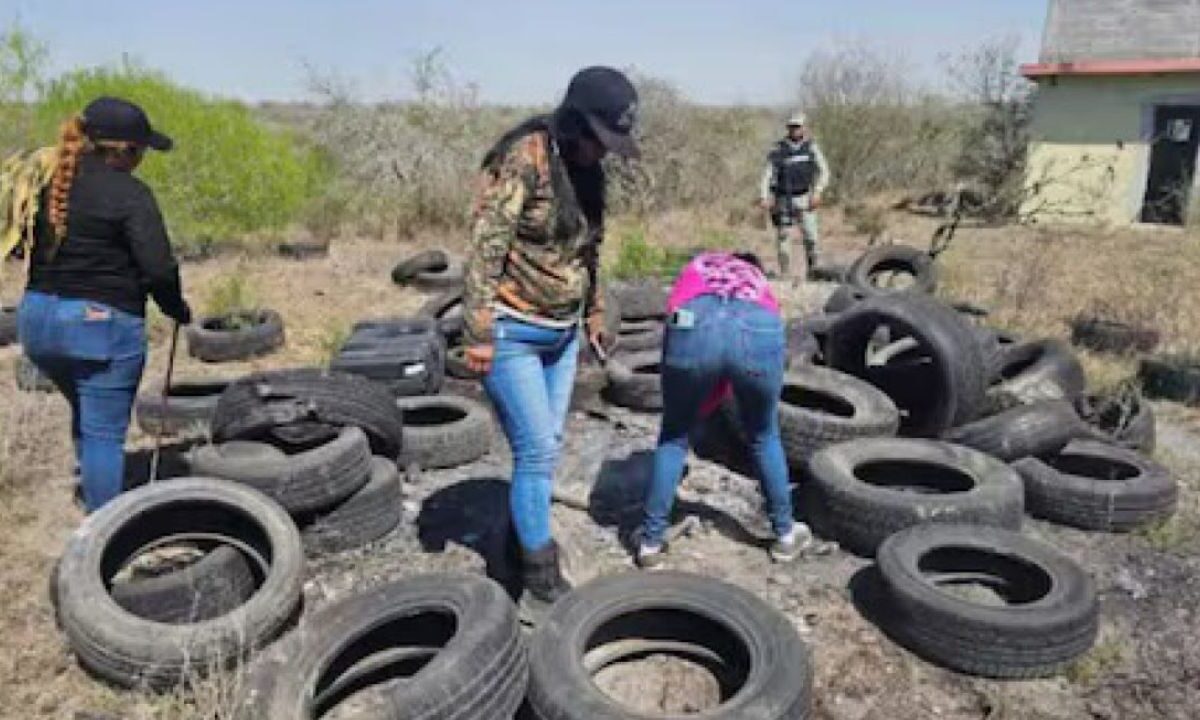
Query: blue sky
column 519, row 51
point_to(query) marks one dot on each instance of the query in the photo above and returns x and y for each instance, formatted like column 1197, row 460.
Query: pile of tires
column 238, row 336
column 185, row 409
column 408, row 355
column 641, row 308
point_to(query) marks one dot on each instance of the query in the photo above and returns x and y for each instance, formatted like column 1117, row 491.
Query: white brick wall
column 1121, row 30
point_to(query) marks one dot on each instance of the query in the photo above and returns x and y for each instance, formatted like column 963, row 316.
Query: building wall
column 1121, row 30
column 1090, row 151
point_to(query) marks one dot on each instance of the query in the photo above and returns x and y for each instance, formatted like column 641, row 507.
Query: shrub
column 231, row 296
column 638, row 258
column 229, row 174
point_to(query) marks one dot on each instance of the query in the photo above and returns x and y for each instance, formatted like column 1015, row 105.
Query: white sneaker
column 788, row 547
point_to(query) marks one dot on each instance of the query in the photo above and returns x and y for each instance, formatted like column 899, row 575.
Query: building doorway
column 1173, row 151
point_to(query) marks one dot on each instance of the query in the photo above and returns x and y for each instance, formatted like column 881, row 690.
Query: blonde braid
column 71, row 144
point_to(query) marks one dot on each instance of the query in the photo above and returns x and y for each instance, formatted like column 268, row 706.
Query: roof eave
column 1149, row 66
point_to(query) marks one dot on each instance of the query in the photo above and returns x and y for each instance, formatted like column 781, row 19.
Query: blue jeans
column 530, row 384
column 744, row 343
column 94, row 354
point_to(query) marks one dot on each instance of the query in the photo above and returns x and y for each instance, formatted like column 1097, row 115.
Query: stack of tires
column 408, row 355
column 633, row 378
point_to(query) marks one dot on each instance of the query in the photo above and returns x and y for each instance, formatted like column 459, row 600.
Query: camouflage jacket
column 521, row 258
column 22, row 178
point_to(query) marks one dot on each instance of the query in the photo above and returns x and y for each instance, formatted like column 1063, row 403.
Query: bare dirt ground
column 1146, row 665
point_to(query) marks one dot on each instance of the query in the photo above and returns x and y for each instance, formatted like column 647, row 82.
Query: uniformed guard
column 792, row 186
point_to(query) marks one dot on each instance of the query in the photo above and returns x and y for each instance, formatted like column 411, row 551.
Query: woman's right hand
column 479, row 358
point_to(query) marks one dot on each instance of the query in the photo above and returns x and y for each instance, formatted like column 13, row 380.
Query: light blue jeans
column 744, row 343
column 530, row 384
column 94, row 354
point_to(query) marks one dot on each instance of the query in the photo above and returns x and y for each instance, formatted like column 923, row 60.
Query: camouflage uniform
column 22, row 178
column 523, row 264
column 789, row 208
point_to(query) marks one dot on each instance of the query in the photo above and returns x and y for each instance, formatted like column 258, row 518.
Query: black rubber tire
column 844, row 298
column 456, row 364
column 210, row 344
column 641, row 299
column 1051, row 621
column 995, row 345
column 1113, row 336
column 134, row 652
column 1035, row 429
column 894, row 258
column 309, row 480
column 446, row 310
column 405, row 363
column 303, row 249
column 370, row 333
column 1169, row 377
column 30, row 379
column 254, row 406
column 820, row 407
column 1095, row 486
column 941, row 388
column 453, row 275
column 861, row 512
column 189, row 408
column 8, row 325
column 632, row 382
column 479, row 670
column 1040, row 370
column 1126, row 420
column 428, row 260
column 444, row 431
column 721, row 624
column 640, row 335
column 366, row 516
column 215, row 584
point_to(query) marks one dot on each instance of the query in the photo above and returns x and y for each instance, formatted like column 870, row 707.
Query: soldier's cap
column 610, row 103
column 798, row 119
column 110, row 118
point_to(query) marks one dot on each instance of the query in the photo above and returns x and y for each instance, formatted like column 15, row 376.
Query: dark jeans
column 530, row 384
column 94, row 354
column 744, row 343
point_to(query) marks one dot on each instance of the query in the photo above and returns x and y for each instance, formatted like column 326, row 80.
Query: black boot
column 544, row 583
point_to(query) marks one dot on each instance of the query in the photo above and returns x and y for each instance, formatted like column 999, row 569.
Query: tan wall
column 1089, row 156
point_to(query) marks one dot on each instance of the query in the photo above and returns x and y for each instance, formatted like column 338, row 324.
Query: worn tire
column 1125, row 420
column 406, row 363
column 1113, row 336
column 641, row 299
column 8, row 326
column 428, row 260
column 446, row 309
column 844, row 298
column 444, row 431
column 452, row 275
column 1095, row 486
column 1040, row 370
column 208, row 343
column 1036, row 429
column 1050, row 621
column 906, row 483
column 365, row 516
column 1170, row 377
column 478, row 669
column 189, row 408
column 309, row 480
column 255, row 406
column 30, row 378
column 894, row 258
column 215, row 584
column 456, row 364
column 767, row 666
column 135, row 652
column 640, row 335
column 303, row 249
column 995, row 345
column 633, row 382
column 937, row 386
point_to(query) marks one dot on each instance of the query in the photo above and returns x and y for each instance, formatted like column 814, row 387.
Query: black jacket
column 116, row 249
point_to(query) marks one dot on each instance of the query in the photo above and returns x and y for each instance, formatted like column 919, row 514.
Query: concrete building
column 1116, row 123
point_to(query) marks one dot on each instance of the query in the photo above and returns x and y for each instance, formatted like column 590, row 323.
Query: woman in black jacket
column 99, row 248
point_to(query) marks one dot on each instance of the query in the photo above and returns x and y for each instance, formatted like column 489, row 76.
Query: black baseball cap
column 610, row 103
column 109, row 118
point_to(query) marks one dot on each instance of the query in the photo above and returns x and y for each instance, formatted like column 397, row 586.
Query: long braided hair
column 72, row 143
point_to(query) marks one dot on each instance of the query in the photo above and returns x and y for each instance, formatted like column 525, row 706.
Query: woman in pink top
column 724, row 335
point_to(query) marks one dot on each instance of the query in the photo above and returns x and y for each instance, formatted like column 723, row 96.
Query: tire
column 214, row 585
column 303, row 250
column 134, row 652
column 254, row 406
column 641, row 299
column 1094, row 486
column 208, row 342
column 640, row 335
column 1040, row 370
column 8, row 326
column 634, row 381
column 309, row 480
column 767, row 667
column 189, row 407
column 844, row 298
column 452, row 276
column 31, row 379
column 894, row 258
column 1037, row 429
column 1113, row 336
column 478, row 669
column 829, row 273
column 937, row 386
column 803, row 345
column 1048, row 620
column 1171, row 377
column 366, row 516
column 867, row 489
column 995, row 345
column 456, row 364
column 407, row 363
column 446, row 309
column 429, row 260
column 1124, row 419
column 821, row 407
column 445, row 431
